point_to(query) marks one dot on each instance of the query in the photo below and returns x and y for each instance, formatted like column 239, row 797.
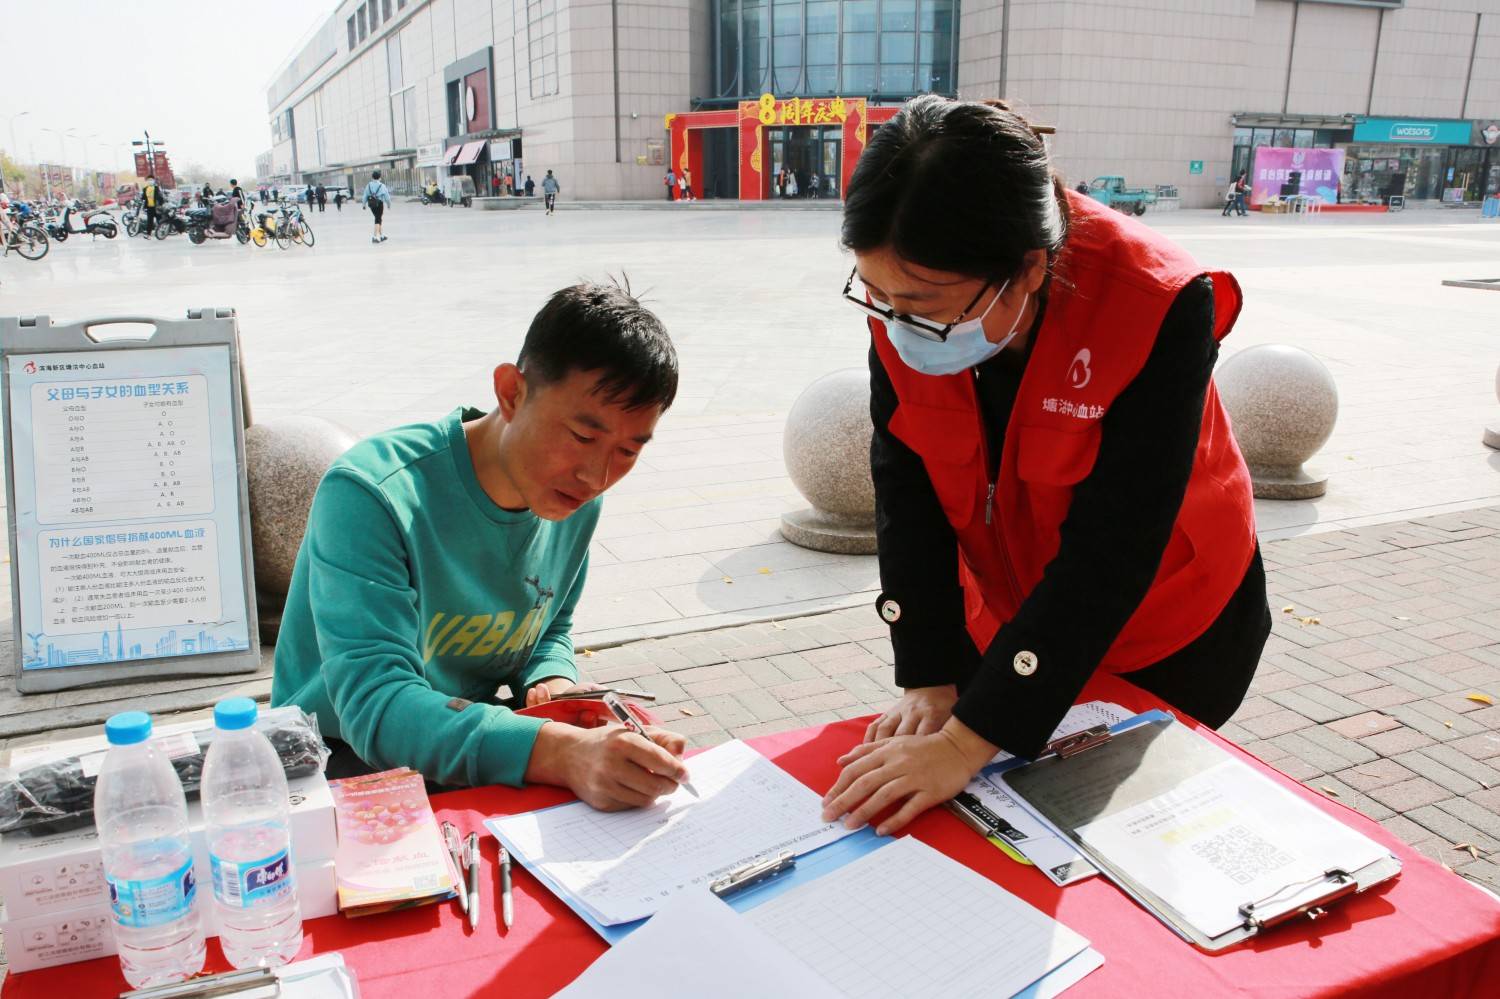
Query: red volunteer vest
column 1113, row 283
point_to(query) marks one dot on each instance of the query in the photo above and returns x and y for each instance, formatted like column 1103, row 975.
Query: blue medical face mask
column 964, row 347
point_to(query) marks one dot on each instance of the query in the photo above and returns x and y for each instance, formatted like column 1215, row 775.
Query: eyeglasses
column 925, row 328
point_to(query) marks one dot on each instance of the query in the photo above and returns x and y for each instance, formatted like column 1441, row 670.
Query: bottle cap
column 128, row 728
column 234, row 713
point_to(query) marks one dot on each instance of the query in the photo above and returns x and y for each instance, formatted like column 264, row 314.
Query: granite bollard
column 284, row 460
column 826, row 448
column 1492, row 432
column 1282, row 405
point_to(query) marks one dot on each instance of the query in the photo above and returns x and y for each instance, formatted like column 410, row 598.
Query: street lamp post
column 15, row 150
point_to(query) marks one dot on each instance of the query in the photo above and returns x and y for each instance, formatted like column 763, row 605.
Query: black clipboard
column 1105, row 770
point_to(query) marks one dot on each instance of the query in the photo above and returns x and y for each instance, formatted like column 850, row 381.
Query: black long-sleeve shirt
column 1112, row 541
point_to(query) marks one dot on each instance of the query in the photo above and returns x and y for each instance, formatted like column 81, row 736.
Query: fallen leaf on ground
column 688, row 711
column 778, row 626
column 589, row 653
column 1473, row 850
column 729, row 581
column 763, row 571
column 1400, row 618
column 1481, row 698
column 1287, row 609
column 1329, row 790
column 1309, row 620
column 1448, row 723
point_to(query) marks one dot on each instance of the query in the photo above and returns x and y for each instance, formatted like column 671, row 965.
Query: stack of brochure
column 391, row 853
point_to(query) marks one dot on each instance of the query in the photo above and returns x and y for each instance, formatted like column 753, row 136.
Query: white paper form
column 623, row 866
column 906, row 920
column 1222, row 838
column 698, row 946
column 1054, row 856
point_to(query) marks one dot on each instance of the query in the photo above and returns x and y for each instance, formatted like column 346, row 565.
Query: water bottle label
column 252, row 883
column 153, row 901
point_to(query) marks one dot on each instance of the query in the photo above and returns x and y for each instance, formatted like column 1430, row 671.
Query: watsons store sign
column 1409, row 132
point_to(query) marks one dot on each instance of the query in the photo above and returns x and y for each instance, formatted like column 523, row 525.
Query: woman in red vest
column 1057, row 490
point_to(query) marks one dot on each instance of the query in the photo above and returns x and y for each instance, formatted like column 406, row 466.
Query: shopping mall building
column 763, row 98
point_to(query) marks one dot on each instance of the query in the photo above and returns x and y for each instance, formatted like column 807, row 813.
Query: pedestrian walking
column 1229, row 193
column 275, row 193
column 683, row 193
column 207, row 195
column 670, row 180
column 377, row 198
column 812, row 186
column 322, row 198
column 530, row 187
column 550, row 187
column 1241, row 193
column 338, row 199
column 687, row 183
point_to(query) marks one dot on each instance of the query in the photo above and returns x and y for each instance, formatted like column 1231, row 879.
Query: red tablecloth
column 1427, row 934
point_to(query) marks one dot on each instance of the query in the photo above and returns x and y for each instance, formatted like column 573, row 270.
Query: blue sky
column 193, row 72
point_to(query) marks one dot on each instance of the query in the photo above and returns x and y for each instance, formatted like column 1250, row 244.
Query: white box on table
column 45, row 875
column 83, row 933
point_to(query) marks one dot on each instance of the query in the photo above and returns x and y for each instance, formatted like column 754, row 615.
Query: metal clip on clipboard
column 753, row 873
column 228, row 983
column 1289, row 901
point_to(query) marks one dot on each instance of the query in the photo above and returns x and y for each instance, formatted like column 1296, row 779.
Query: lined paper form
column 623, row 866
column 906, row 920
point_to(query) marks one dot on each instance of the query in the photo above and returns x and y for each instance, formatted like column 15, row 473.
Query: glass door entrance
column 805, row 161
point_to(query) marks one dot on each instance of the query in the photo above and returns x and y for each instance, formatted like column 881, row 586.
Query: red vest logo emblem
column 1079, row 373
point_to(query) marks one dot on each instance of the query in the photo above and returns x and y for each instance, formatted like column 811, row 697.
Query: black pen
column 628, row 720
column 471, row 860
column 507, row 906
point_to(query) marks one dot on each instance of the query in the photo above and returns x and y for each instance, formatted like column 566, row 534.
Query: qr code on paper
column 1241, row 855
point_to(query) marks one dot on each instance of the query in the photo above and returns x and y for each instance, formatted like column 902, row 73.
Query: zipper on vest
column 992, row 477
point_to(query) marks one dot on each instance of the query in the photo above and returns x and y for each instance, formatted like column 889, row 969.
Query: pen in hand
column 471, row 861
column 628, row 720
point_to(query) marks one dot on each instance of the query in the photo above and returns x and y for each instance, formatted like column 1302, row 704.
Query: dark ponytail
column 956, row 186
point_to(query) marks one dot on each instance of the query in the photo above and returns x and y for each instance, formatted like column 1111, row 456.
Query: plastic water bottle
column 141, row 816
column 249, row 841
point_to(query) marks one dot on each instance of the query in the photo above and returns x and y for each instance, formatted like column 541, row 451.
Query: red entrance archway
column 752, row 118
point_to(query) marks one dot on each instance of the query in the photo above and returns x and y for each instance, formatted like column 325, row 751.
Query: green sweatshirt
column 414, row 595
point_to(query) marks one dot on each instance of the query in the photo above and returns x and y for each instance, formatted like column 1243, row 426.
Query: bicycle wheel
column 31, row 242
column 307, row 235
column 283, row 235
column 258, row 236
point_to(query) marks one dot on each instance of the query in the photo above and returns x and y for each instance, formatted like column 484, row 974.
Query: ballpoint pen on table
column 628, row 720
column 594, row 695
column 471, row 861
column 455, row 850
column 507, row 906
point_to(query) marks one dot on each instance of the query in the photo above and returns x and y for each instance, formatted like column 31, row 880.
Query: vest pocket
column 1056, row 457
column 947, row 440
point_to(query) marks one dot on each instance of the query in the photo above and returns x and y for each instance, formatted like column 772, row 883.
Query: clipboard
column 1104, row 771
column 125, row 476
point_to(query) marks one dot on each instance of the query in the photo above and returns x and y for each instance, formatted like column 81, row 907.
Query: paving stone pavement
column 1374, row 686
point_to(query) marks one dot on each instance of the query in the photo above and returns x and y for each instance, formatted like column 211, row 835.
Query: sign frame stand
column 206, row 327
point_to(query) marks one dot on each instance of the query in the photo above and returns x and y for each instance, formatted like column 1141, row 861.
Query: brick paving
column 1381, row 635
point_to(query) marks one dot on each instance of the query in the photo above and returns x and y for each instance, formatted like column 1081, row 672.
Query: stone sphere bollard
column 1282, row 404
column 1492, row 433
column 827, row 452
column 284, row 461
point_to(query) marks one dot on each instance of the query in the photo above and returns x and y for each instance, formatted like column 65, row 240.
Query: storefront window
column 1303, row 138
column 893, row 49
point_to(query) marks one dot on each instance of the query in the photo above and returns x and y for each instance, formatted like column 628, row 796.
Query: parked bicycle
column 27, row 237
column 293, row 228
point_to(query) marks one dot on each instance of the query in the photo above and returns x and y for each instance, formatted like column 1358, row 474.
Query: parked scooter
column 220, row 220
column 169, row 219
column 95, row 223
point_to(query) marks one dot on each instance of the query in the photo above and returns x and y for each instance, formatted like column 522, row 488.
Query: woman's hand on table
column 913, row 772
column 921, row 711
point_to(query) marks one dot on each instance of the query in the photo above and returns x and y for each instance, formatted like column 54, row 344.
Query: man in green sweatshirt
column 443, row 560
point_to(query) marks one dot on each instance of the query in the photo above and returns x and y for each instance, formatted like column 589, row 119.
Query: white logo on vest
column 1079, row 373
